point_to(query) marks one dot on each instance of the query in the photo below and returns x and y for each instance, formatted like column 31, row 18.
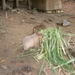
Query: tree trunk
column 3, row 4
column 15, row 3
column 29, row 4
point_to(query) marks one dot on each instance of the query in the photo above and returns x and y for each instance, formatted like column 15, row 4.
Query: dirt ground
column 15, row 26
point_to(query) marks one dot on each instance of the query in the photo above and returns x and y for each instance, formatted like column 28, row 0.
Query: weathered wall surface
column 47, row 4
column 53, row 4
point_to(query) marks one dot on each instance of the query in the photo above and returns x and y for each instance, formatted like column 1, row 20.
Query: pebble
column 66, row 23
column 4, row 67
column 2, row 31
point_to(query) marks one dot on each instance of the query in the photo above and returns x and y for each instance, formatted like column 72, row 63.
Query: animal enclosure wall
column 46, row 4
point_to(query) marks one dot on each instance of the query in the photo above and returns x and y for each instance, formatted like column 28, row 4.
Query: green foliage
column 34, row 9
column 53, row 47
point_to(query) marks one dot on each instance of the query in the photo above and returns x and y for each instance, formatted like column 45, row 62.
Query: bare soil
column 15, row 26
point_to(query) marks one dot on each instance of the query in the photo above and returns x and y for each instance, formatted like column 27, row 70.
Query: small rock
column 65, row 23
column 2, row 31
column 4, row 67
